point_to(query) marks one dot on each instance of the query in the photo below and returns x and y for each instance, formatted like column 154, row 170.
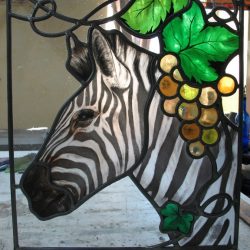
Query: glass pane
column 190, row 131
column 188, row 93
column 208, row 96
column 188, row 111
column 170, row 105
column 226, row 85
column 168, row 62
column 208, row 117
column 210, row 136
column 168, row 87
column 197, row 149
column 177, row 75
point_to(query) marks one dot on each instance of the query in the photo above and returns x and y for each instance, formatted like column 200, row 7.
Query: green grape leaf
column 171, row 209
column 176, row 35
column 145, row 15
column 179, row 4
column 196, row 65
column 174, row 220
column 185, row 223
column 217, row 42
column 170, row 224
column 198, row 44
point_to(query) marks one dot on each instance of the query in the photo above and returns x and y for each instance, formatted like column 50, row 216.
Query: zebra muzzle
column 46, row 200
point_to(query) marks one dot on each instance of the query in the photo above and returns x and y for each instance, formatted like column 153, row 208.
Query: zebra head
column 99, row 134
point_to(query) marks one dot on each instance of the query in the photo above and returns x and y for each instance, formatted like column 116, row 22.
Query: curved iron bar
column 107, row 19
column 56, row 14
column 45, row 9
column 234, row 11
column 215, row 198
column 80, row 22
column 20, row 17
column 232, row 16
column 52, row 12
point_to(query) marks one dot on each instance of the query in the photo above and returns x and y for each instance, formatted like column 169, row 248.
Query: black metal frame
column 77, row 23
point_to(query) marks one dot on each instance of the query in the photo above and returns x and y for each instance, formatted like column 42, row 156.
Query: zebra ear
column 78, row 63
column 115, row 74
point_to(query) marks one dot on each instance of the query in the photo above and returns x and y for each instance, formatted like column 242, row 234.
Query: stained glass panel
column 151, row 77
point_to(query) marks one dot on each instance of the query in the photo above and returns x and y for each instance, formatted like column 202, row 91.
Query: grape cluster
column 196, row 106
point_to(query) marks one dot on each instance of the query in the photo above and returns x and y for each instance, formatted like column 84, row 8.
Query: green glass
column 198, row 44
column 210, row 136
column 188, row 93
column 174, row 220
column 146, row 15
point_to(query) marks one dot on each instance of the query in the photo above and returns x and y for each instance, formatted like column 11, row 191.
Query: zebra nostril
column 33, row 179
column 46, row 199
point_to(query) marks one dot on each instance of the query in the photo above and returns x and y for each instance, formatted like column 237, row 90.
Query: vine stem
column 216, row 174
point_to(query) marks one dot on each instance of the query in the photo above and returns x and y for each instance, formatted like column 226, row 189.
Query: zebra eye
column 86, row 114
column 85, row 117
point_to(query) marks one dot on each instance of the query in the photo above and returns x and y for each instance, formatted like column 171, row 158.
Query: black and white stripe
column 95, row 154
column 168, row 173
column 84, row 158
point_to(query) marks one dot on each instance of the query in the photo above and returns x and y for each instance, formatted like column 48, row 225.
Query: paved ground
column 130, row 222
column 117, row 216
column 109, row 218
